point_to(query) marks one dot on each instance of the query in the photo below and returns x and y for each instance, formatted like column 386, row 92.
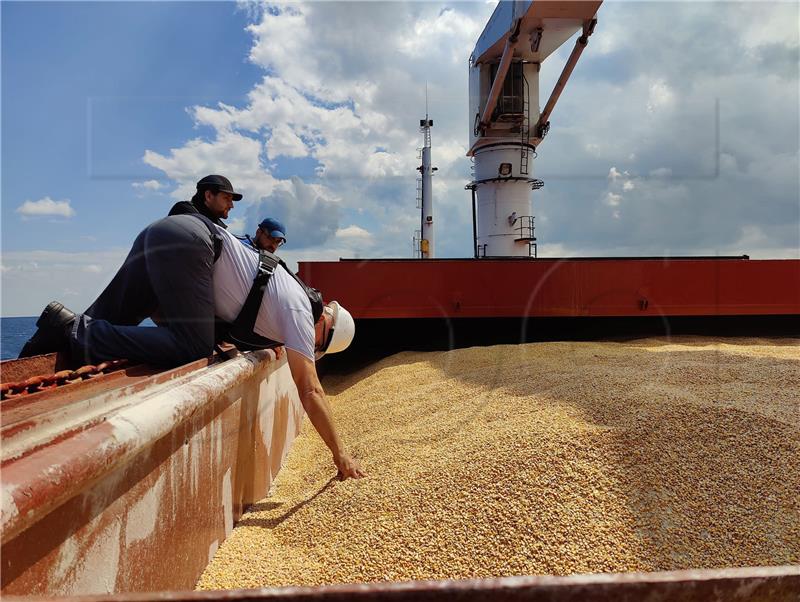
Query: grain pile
column 547, row 458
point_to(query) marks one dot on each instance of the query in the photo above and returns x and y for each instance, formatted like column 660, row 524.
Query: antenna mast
column 426, row 240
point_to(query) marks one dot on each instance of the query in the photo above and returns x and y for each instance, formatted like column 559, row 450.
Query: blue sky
column 112, row 110
column 134, row 68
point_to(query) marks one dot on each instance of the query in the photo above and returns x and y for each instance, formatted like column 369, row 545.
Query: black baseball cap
column 218, row 184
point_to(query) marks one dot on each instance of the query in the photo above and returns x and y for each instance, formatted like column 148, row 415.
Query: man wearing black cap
column 214, row 199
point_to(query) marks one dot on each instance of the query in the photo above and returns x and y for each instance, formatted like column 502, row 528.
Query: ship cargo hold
column 644, row 446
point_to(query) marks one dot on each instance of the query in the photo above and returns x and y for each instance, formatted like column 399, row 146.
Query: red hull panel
column 487, row 288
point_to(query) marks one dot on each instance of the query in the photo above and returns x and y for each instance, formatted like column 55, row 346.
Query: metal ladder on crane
column 527, row 234
column 525, row 129
column 416, row 244
column 419, row 180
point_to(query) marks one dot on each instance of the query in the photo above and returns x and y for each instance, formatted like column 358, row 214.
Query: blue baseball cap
column 273, row 227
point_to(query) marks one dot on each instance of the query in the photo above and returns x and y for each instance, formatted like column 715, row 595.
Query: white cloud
column 624, row 178
column 46, row 207
column 344, row 87
column 284, row 142
column 31, row 278
column 153, row 185
column 453, row 33
column 354, row 233
column 660, row 97
column 762, row 26
column 754, row 237
column 593, row 148
column 310, row 212
column 237, row 226
column 341, row 89
column 232, row 154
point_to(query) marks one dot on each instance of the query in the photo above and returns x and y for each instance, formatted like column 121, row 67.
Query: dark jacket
column 183, row 207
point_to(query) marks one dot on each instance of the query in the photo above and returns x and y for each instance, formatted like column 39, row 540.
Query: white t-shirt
column 285, row 313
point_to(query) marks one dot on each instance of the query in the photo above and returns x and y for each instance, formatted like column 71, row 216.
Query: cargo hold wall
column 133, row 489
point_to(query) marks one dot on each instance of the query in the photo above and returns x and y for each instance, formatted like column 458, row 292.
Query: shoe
column 52, row 335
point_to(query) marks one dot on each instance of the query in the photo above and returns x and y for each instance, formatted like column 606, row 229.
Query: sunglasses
column 279, row 241
column 327, row 337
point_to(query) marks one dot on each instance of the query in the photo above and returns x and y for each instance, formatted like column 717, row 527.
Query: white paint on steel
column 8, row 510
column 541, row 27
column 498, row 202
column 96, row 571
column 227, row 503
column 195, row 448
column 427, row 228
column 143, row 515
column 267, row 396
column 97, row 556
column 147, row 416
column 217, row 443
column 67, row 554
column 558, row 20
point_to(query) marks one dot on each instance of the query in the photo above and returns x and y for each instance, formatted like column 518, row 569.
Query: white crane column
column 506, row 124
column 504, row 174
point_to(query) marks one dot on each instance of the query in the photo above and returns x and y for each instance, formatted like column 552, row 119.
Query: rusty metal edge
column 96, row 450
column 721, row 583
column 129, row 379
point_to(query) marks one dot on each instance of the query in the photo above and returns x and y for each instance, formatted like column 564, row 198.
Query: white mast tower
column 506, row 123
column 425, row 243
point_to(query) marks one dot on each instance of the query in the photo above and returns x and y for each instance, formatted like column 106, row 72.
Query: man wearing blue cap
column 270, row 235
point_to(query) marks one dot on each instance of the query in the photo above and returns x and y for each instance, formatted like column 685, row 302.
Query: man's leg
column 177, row 262
column 127, row 300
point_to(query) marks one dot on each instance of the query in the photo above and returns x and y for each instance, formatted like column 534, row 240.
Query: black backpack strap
column 242, row 331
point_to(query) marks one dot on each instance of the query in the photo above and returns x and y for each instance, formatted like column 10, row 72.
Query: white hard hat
column 343, row 329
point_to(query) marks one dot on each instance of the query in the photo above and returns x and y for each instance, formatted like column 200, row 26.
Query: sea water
column 15, row 331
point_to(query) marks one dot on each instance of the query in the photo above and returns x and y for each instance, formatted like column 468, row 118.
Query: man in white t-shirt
column 285, row 316
column 171, row 270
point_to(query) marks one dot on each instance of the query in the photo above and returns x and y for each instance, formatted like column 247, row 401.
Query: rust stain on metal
column 170, row 457
column 20, row 369
column 40, row 382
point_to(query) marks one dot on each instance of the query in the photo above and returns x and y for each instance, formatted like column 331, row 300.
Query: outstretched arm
column 312, row 396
